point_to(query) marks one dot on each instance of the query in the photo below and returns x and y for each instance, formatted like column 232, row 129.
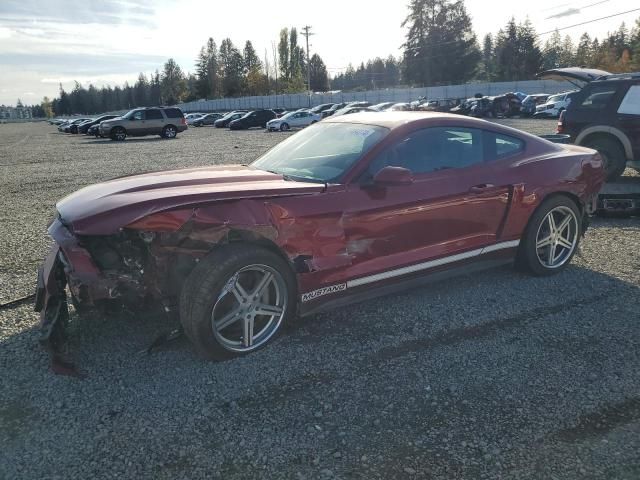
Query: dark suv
column 163, row 121
column 605, row 115
column 257, row 118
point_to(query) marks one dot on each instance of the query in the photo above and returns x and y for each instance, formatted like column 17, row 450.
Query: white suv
column 554, row 105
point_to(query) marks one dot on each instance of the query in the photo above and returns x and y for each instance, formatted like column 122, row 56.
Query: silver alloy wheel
column 250, row 308
column 284, row 127
column 120, row 134
column 557, row 237
column 169, row 132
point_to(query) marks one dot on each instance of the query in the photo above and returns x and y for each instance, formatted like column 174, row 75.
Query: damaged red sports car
column 347, row 209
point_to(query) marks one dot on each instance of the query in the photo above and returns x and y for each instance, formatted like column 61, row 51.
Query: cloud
column 565, row 13
column 25, row 12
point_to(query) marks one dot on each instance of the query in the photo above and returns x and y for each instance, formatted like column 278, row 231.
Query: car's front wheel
column 236, row 300
column 169, row 132
column 551, row 237
column 119, row 134
column 284, row 127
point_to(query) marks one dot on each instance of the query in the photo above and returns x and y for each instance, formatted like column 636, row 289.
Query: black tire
column 284, row 127
column 612, row 155
column 527, row 258
column 118, row 134
column 203, row 289
column 169, row 132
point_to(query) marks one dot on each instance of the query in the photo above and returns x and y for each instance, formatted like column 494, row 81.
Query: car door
column 453, row 208
column 137, row 124
column 297, row 119
column 155, row 121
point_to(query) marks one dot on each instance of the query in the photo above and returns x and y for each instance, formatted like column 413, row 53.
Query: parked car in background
column 506, row 105
column 555, row 105
column 94, row 130
column 293, row 120
column 279, row 111
column 164, row 121
column 330, row 111
column 321, row 108
column 349, row 209
column 530, row 103
column 381, row 107
column 400, row 107
column 66, row 127
column 437, row 105
column 189, row 117
column 73, row 128
column 208, row 119
column 84, row 127
column 352, row 110
column 605, row 115
column 257, row 118
column 228, row 118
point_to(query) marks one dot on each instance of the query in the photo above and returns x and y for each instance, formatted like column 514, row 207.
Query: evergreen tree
column 318, row 72
column 173, row 84
column 487, row 68
column 552, row 51
column 283, row 55
column 583, row 51
column 440, row 45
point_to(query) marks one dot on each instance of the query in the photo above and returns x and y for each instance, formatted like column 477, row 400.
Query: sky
column 107, row 42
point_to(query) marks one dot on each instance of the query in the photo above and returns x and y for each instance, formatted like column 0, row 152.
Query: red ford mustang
column 349, row 208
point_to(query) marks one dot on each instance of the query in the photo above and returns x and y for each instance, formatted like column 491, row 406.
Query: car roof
column 619, row 77
column 397, row 119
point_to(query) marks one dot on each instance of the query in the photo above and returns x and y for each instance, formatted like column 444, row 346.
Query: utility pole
column 306, row 31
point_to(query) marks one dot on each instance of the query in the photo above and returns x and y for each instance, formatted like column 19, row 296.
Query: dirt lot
column 498, row 375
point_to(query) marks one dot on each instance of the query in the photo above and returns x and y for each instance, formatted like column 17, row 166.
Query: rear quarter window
column 173, row 113
column 630, row 104
column 498, row 146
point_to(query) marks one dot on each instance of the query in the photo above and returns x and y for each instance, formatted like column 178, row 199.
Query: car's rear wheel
column 612, row 155
column 284, row 127
column 169, row 132
column 237, row 300
column 551, row 237
column 118, row 134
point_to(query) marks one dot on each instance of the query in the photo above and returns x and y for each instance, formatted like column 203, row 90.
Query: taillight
column 560, row 126
column 183, row 121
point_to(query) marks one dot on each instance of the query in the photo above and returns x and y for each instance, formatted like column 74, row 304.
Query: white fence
column 293, row 101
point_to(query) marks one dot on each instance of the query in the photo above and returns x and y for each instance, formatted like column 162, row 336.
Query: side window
column 598, row 97
column 154, row 115
column 499, row 146
column 433, row 149
column 139, row 115
column 173, row 113
column 630, row 104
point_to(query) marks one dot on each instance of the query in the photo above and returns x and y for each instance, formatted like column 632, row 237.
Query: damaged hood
column 104, row 208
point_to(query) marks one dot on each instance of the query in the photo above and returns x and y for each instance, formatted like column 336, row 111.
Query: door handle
column 481, row 187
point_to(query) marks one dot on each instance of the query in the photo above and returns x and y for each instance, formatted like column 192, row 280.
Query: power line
column 588, row 21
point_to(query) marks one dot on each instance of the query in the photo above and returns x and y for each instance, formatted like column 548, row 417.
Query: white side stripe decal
column 409, row 269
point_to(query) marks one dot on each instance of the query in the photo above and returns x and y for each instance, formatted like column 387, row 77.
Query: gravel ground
column 498, row 375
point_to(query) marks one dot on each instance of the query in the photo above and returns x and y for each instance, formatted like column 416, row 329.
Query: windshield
column 555, row 98
column 321, row 153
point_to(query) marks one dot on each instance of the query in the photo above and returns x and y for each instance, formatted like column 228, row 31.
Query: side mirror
column 392, row 176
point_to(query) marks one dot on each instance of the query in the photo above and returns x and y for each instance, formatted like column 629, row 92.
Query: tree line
column 441, row 48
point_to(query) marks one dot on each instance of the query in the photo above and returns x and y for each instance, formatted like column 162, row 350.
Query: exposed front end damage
column 144, row 263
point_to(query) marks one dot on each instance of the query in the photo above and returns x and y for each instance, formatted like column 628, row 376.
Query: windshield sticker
column 323, row 291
